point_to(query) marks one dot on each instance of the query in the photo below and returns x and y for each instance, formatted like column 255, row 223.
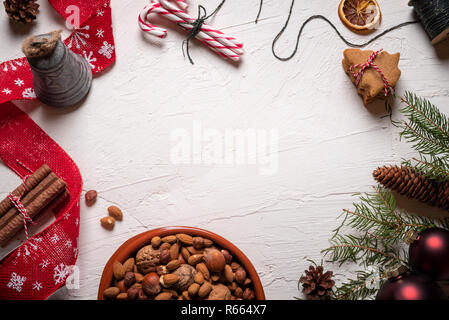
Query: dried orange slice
column 360, row 15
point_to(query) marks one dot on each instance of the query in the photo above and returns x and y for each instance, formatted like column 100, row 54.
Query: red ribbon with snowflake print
column 41, row 265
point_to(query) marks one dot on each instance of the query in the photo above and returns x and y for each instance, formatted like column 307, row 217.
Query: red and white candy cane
column 370, row 64
column 225, row 46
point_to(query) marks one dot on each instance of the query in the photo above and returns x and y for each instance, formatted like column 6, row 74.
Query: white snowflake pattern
column 77, row 222
column 68, row 243
column 100, row 13
column 12, row 65
column 16, row 282
column 106, row 50
column 55, row 238
column 44, row 263
column 28, row 250
column 90, row 58
column 18, row 82
column 6, row 91
column 75, row 252
column 29, row 93
column 37, row 286
column 100, row 33
column 78, row 37
column 66, row 216
column 61, row 271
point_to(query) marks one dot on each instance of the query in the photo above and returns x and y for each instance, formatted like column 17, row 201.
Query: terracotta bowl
column 130, row 248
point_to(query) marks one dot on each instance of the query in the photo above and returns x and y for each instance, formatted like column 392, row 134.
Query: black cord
column 354, row 45
column 197, row 25
column 260, row 10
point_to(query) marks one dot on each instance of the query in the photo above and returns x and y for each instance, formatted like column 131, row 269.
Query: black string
column 260, row 10
column 354, row 45
column 197, row 25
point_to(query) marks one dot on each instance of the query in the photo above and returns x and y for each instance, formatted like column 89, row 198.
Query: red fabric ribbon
column 42, row 264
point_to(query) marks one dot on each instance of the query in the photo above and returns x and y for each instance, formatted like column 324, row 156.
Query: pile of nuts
column 180, row 267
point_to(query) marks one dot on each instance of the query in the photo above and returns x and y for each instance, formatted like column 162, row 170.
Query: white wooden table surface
column 328, row 145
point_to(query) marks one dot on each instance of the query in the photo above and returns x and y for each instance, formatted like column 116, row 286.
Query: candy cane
column 221, row 44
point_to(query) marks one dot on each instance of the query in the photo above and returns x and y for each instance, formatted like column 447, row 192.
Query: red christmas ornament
column 429, row 252
column 408, row 286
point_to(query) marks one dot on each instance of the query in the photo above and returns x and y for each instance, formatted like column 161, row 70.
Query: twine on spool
column 434, row 16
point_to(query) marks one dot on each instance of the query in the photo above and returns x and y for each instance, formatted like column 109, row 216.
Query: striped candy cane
column 225, row 46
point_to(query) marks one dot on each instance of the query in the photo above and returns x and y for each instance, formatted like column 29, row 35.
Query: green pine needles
column 371, row 234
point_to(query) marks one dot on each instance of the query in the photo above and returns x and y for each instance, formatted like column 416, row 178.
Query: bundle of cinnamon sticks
column 41, row 191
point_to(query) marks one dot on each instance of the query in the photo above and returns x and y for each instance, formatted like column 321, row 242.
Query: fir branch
column 357, row 289
column 428, row 129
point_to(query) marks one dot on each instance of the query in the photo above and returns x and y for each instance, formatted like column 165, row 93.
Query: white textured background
column 329, row 142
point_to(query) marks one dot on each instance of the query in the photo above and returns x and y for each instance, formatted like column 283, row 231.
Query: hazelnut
column 238, row 292
column 248, row 294
column 130, row 279
column 214, row 259
column 156, row 242
column 227, row 255
column 240, row 275
column 133, row 292
column 150, row 284
column 165, row 257
column 90, row 197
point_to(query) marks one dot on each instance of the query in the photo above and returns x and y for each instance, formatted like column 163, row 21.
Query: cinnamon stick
column 30, row 183
column 26, row 200
column 36, row 206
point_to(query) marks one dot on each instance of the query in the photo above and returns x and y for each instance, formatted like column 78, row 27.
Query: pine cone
column 317, row 284
column 412, row 184
column 23, row 11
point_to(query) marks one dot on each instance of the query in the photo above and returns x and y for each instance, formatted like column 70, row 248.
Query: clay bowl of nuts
column 179, row 263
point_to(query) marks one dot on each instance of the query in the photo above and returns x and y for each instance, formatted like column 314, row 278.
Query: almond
column 186, row 296
column 107, row 222
column 192, row 250
column 118, row 270
column 173, row 265
column 185, row 239
column 201, row 267
column 169, row 239
column 198, row 278
column 115, row 212
column 204, row 290
column 195, row 259
column 139, row 277
column 164, row 296
column 169, row 280
column 193, row 289
column 165, row 246
column 129, row 265
column 185, row 253
column 228, row 274
column 174, row 251
column 215, row 277
column 122, row 296
column 111, row 293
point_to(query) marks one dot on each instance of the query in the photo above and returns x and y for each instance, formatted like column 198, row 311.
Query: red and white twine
column 16, row 201
column 225, row 46
column 370, row 64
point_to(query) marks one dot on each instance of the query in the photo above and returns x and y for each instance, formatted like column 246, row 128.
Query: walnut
column 186, row 275
column 147, row 259
column 219, row 292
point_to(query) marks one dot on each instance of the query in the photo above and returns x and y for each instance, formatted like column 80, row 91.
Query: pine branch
column 428, row 129
column 359, row 288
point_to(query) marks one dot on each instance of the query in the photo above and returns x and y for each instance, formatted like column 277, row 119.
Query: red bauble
column 410, row 287
column 429, row 253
